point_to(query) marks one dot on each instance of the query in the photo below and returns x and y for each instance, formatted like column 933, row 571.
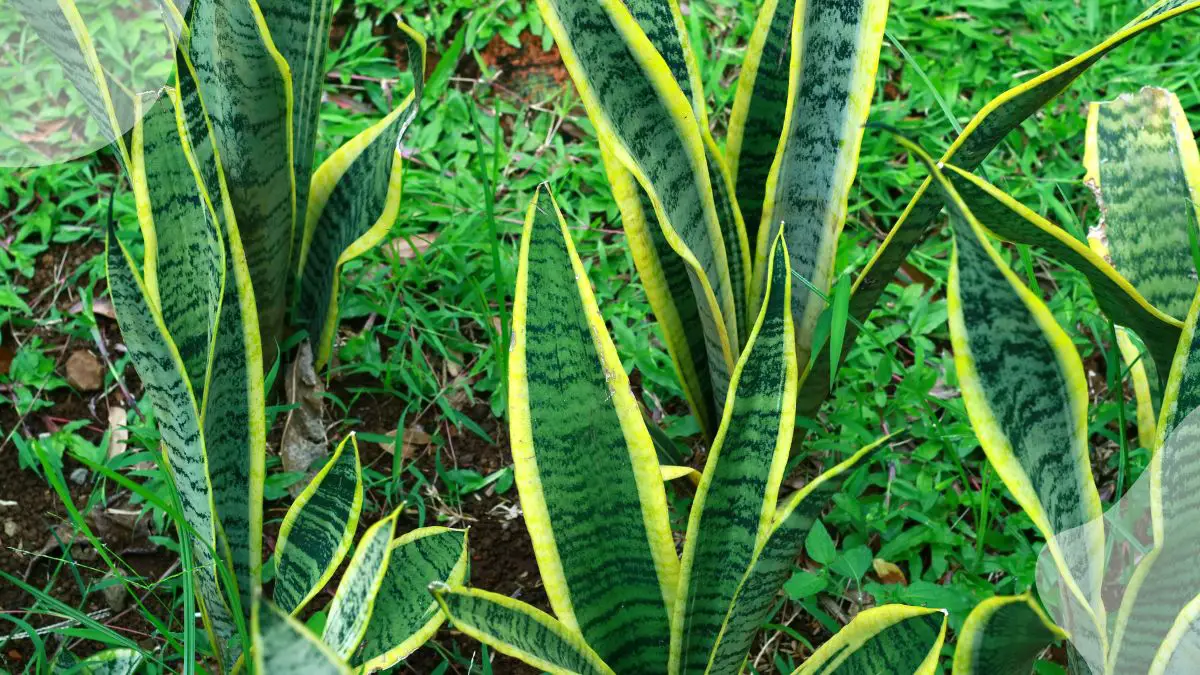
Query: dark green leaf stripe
column 60, row 27
column 161, row 372
column 1143, row 166
column 521, row 631
column 353, row 202
column 184, row 264
column 772, row 564
column 1010, row 220
column 604, row 546
column 894, row 639
column 1024, row 389
column 283, row 645
column 834, row 56
column 318, row 528
column 735, row 501
column 354, row 601
column 300, row 31
column 246, row 88
column 664, row 277
column 1004, row 634
column 985, row 131
column 662, row 23
column 638, row 109
column 759, row 108
column 405, row 615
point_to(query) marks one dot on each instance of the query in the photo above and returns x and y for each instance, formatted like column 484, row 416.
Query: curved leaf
column 894, row 639
column 641, row 114
column 283, row 645
column 353, row 201
column 520, row 631
column 1004, row 634
column 735, row 500
column 604, row 546
column 354, row 601
column 405, row 616
column 318, row 528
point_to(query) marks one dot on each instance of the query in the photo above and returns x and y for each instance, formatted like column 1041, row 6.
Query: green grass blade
column 405, row 615
column 985, row 131
column 831, row 78
column 353, row 201
column 645, row 119
column 1004, row 634
column 890, row 639
column 283, row 645
column 318, row 529
column 772, row 564
column 354, row 601
column 518, row 630
column 246, row 88
column 585, row 465
column 735, row 501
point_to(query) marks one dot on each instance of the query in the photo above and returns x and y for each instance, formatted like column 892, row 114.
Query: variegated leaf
column 350, row 611
column 1004, row 634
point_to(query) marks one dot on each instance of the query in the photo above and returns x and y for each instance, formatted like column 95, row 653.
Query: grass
column 424, row 324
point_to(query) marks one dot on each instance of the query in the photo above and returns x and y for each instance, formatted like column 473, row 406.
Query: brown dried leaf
column 889, row 573
column 407, row 248
column 84, row 371
column 304, row 439
column 415, row 437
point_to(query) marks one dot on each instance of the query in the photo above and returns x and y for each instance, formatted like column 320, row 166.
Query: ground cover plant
column 417, row 367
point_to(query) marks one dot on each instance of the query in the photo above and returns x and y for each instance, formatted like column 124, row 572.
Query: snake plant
column 699, row 220
column 592, row 492
column 1122, row 583
column 237, row 225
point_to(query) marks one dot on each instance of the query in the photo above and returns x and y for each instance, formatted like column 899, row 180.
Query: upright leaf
column 644, row 118
column 833, row 58
column 283, row 645
column 354, row 601
column 1004, row 634
column 246, row 88
column 735, row 500
column 353, row 202
column 318, row 528
column 599, row 527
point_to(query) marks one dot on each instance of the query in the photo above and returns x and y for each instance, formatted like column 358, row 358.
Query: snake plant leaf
column 118, row 661
column 604, row 547
column 353, row 202
column 735, row 501
column 1144, row 168
column 318, row 528
column 1118, row 298
column 283, row 645
column 985, row 131
column 61, row 28
column 511, row 627
column 162, row 374
column 350, row 611
column 662, row 22
column 759, row 107
column 668, row 288
column 891, row 639
column 405, row 615
column 639, row 111
column 1004, row 634
column 246, row 87
column 1147, row 387
column 181, row 234
column 772, row 564
column 300, row 31
column 833, row 59
column 1025, row 392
